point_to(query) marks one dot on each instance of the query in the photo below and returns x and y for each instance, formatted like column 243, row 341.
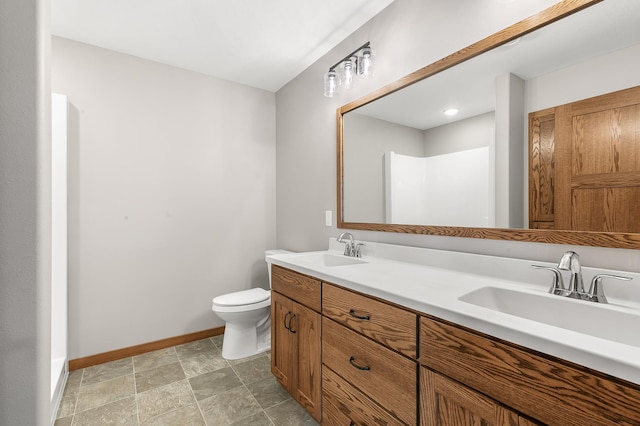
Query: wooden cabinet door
column 295, row 351
column 445, row 402
column 283, row 349
column 597, row 165
column 305, row 326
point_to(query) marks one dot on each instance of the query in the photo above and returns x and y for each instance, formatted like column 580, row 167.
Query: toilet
column 247, row 315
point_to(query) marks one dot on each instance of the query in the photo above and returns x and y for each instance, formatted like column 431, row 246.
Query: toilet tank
column 271, row 253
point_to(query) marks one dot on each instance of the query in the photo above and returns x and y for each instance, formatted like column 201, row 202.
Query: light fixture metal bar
column 367, row 44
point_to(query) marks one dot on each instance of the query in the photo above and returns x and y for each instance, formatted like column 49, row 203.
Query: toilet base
column 240, row 341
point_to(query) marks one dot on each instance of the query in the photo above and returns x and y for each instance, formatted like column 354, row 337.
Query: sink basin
column 604, row 321
column 327, row 259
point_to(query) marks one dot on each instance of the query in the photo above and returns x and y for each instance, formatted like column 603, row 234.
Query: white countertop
column 432, row 281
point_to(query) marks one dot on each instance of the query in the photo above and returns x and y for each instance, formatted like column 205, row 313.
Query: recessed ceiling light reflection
column 450, row 112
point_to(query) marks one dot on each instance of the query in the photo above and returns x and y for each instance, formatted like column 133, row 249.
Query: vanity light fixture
column 358, row 63
column 450, row 112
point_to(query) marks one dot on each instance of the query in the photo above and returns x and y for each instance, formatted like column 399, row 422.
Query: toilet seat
column 245, row 300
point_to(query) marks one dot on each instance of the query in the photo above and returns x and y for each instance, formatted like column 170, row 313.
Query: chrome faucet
column 350, row 247
column 596, row 292
column 570, row 261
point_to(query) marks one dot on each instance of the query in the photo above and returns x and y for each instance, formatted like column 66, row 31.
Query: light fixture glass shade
column 366, row 63
column 348, row 70
column 330, row 83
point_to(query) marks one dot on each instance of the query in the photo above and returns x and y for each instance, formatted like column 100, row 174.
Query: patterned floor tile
column 97, row 394
column 186, row 385
column 268, row 392
column 159, row 376
column 154, row 359
column 109, row 370
column 199, row 347
column 122, row 412
column 203, row 363
column 253, row 370
column 229, row 407
column 289, row 413
column 259, row 419
column 214, row 383
column 163, row 399
column 184, row 416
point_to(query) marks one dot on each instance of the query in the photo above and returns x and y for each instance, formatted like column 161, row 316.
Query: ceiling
column 263, row 44
column 598, row 30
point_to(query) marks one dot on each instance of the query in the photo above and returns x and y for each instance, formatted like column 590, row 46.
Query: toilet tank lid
column 244, row 297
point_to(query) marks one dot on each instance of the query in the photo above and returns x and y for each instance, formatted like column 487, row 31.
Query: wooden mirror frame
column 584, row 238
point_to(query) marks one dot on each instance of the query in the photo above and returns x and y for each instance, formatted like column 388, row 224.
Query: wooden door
column 283, row 349
column 541, row 169
column 597, row 165
column 445, row 402
column 305, row 326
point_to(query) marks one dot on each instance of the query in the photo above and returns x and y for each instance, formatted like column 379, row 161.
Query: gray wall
column 406, row 36
column 172, row 195
column 25, row 213
column 364, row 177
column 470, row 133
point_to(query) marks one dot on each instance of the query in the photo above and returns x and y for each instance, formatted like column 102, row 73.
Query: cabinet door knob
column 352, row 361
column 352, row 312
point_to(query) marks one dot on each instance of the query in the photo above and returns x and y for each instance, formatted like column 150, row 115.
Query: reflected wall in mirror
column 404, row 166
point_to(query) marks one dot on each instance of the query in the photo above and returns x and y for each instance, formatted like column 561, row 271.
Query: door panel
column 598, row 163
column 306, row 326
column 283, row 343
column 446, row 402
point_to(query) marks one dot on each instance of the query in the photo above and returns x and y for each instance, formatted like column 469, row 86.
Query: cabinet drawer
column 387, row 377
column 392, row 326
column 343, row 404
column 301, row 288
column 544, row 388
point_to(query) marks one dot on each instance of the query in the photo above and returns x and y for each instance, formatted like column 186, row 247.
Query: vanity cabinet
column 354, row 359
column 295, row 336
column 475, row 367
column 444, row 402
column 369, row 360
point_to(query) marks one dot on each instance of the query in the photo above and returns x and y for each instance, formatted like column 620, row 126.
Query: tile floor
column 189, row 384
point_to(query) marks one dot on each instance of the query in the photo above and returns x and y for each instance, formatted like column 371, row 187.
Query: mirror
column 595, row 44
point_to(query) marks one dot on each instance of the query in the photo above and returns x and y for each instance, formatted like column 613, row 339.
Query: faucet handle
column 357, row 251
column 596, row 291
column 557, row 287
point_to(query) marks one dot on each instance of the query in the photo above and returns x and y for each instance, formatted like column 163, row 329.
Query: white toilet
column 247, row 315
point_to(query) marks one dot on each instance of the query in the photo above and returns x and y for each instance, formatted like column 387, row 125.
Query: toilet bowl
column 247, row 315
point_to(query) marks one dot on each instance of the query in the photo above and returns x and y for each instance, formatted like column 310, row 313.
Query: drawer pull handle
column 361, row 317
column 291, row 319
column 285, row 321
column 352, row 361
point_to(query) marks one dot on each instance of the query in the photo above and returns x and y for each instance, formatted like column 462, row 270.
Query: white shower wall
column 448, row 190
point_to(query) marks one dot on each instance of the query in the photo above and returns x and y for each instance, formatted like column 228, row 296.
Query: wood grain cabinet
column 445, row 402
column 369, row 374
column 295, row 336
column 467, row 375
column 351, row 359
